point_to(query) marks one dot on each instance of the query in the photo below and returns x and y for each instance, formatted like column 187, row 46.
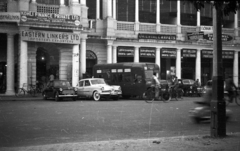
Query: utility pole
column 218, row 105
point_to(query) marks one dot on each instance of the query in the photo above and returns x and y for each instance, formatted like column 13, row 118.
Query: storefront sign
column 190, row 53
column 225, row 37
column 194, row 36
column 157, row 36
column 52, row 37
column 206, row 28
column 125, row 51
column 168, row 53
column 9, row 17
column 36, row 19
column 147, row 52
column 225, row 54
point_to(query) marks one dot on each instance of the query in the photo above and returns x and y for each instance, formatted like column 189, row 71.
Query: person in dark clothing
column 230, row 87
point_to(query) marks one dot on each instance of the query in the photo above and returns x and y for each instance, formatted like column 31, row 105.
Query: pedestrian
column 230, row 87
column 156, row 84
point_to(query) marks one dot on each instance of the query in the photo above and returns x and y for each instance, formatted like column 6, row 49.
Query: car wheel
column 57, row 97
column 96, row 96
column 44, row 96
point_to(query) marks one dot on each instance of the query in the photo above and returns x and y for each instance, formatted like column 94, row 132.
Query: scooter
column 203, row 113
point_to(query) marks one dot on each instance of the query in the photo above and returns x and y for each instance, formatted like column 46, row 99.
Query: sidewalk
column 182, row 143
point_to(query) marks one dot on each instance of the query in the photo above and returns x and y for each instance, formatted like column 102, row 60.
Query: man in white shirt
column 157, row 85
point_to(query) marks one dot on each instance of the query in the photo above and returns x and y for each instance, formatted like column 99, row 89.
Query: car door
column 80, row 88
column 87, row 89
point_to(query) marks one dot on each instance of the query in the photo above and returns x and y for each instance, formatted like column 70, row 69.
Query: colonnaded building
column 67, row 38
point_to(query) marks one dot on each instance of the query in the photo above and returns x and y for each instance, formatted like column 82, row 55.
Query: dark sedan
column 59, row 89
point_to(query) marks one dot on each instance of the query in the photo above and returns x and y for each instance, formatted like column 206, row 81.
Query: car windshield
column 98, row 81
column 62, row 84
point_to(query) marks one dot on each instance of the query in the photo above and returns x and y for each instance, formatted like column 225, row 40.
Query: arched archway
column 47, row 63
column 91, row 60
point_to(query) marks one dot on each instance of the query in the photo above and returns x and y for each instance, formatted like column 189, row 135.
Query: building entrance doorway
column 47, row 63
column 91, row 60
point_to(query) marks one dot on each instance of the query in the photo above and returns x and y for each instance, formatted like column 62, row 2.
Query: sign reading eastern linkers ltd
column 147, row 52
column 49, row 19
column 157, row 36
column 125, row 51
column 225, row 54
column 225, row 37
column 168, row 52
column 52, row 37
column 190, row 53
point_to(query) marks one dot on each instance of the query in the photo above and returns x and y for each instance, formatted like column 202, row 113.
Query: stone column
column 23, row 63
column 33, row 1
column 75, row 65
column 62, row 3
column 235, row 68
column 114, row 55
column 236, row 23
column 75, row 2
column 83, row 58
column 10, row 65
column 114, row 9
column 158, row 59
column 109, row 53
column 198, row 18
column 136, row 11
column 109, row 11
column 98, row 9
column 198, row 66
column 178, row 64
column 83, row 2
column 178, row 12
column 136, row 54
column 158, row 12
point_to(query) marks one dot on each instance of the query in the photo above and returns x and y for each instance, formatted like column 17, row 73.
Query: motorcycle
column 203, row 113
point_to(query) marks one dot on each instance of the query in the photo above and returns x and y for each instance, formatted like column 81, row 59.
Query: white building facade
column 67, row 37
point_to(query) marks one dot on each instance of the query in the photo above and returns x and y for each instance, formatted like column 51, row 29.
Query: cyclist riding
column 230, row 87
column 156, row 84
column 174, row 84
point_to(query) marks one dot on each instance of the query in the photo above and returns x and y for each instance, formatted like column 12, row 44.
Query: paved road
column 37, row 122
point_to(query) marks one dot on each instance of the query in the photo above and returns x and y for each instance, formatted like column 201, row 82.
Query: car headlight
column 75, row 89
column 60, row 89
column 102, row 88
column 119, row 88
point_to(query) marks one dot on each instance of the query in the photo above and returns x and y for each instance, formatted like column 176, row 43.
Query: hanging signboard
column 168, row 52
column 36, row 19
column 9, row 17
column 194, row 36
column 225, row 54
column 147, row 52
column 206, row 28
column 225, row 37
column 190, row 53
column 157, row 36
column 125, row 51
column 51, row 37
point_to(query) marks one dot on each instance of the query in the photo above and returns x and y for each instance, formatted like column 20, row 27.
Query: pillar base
column 10, row 92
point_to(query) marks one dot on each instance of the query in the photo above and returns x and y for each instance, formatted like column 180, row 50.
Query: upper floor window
column 147, row 11
column 3, row 6
column 50, row 2
column 125, row 10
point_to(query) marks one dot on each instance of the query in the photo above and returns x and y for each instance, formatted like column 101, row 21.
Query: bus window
column 127, row 77
column 120, row 77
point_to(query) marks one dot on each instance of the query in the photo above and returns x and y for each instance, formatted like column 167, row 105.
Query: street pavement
column 231, row 142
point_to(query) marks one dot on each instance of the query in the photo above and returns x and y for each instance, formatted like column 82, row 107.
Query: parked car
column 187, row 86
column 59, row 89
column 97, row 88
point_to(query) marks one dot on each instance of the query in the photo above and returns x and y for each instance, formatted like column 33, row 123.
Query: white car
column 97, row 88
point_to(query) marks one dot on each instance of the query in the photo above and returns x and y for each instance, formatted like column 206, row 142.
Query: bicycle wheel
column 20, row 92
column 180, row 94
column 149, row 96
column 166, row 96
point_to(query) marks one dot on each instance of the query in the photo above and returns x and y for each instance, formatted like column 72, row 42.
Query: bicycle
column 173, row 93
column 26, row 89
column 149, row 95
column 236, row 97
